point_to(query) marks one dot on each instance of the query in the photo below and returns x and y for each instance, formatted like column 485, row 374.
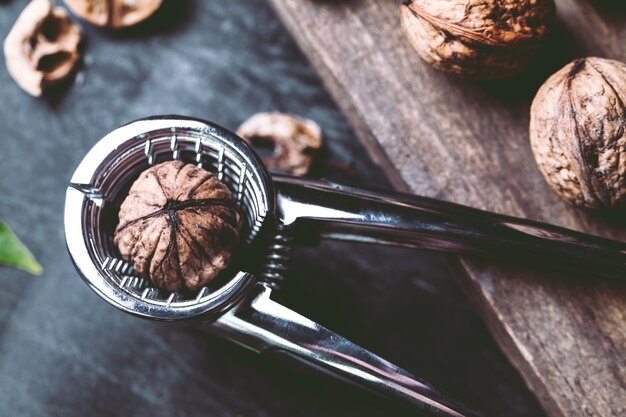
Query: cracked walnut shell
column 42, row 47
column 115, row 14
column 578, row 132
column 478, row 39
column 296, row 141
column 178, row 226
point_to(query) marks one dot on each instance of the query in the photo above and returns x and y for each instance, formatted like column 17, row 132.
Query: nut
column 178, row 226
column 115, row 14
column 478, row 39
column 295, row 140
column 42, row 47
column 578, row 132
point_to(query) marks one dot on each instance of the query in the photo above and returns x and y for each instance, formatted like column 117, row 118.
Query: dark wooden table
column 65, row 352
column 468, row 142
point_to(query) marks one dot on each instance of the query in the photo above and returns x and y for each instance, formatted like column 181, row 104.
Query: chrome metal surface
column 277, row 257
column 278, row 214
column 307, row 207
column 272, row 329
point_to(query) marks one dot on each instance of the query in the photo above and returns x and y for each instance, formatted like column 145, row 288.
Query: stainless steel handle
column 312, row 208
column 269, row 328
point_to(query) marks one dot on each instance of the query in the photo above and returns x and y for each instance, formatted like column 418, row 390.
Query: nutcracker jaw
column 240, row 307
column 101, row 182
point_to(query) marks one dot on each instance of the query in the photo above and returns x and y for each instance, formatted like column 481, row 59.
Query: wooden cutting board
column 467, row 142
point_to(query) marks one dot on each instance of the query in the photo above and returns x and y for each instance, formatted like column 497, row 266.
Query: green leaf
column 14, row 253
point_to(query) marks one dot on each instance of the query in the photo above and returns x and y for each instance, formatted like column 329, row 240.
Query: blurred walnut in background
column 115, row 14
column 295, row 141
column 42, row 47
column 578, row 132
column 478, row 39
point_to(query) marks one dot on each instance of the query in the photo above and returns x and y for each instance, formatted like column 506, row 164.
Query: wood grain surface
column 468, row 142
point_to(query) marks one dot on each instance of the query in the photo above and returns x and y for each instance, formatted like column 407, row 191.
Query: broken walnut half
column 115, row 14
column 178, row 226
column 296, row 141
column 42, row 47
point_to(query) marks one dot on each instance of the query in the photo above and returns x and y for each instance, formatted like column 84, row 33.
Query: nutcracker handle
column 310, row 208
column 271, row 329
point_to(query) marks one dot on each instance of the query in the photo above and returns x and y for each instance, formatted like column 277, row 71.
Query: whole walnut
column 578, row 132
column 178, row 226
column 478, row 39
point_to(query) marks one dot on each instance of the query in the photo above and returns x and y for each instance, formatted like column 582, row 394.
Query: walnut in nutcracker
column 478, row 39
column 178, row 226
column 578, row 132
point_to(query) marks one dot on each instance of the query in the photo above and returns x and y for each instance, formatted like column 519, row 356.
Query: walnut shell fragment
column 115, row 14
column 578, row 132
column 296, row 141
column 42, row 47
column 478, row 39
column 178, row 226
